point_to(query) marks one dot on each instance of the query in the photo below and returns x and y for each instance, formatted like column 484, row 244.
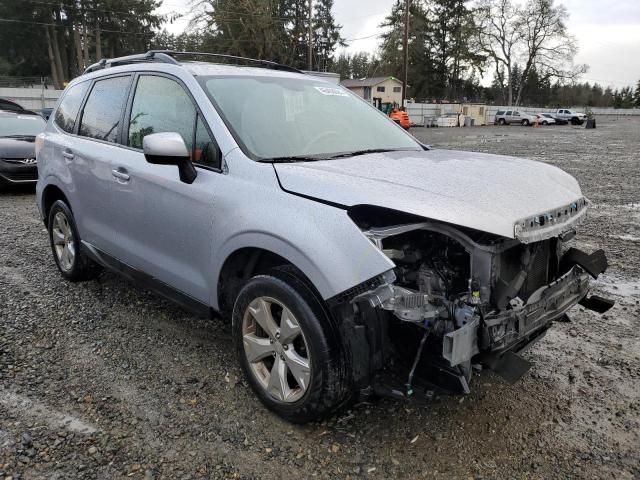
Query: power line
column 363, row 38
column 217, row 10
column 32, row 22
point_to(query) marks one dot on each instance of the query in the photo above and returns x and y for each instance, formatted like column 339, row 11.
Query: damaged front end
column 458, row 298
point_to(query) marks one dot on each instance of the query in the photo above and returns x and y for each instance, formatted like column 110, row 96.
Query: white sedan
column 545, row 119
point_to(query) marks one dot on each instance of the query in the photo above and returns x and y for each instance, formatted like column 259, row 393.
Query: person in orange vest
column 400, row 117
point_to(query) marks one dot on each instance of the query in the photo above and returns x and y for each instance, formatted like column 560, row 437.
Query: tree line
column 524, row 46
column 61, row 38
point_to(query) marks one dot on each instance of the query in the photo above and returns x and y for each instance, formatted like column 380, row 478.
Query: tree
column 636, row 96
column 442, row 59
column 533, row 34
column 62, row 38
column 276, row 30
column 326, row 34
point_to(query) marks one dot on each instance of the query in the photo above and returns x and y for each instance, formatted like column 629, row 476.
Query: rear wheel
column 73, row 263
column 501, row 121
column 289, row 348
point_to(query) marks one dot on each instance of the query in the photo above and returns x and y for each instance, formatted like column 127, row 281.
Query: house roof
column 366, row 82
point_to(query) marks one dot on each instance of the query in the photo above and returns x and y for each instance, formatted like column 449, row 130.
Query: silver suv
column 351, row 259
column 507, row 117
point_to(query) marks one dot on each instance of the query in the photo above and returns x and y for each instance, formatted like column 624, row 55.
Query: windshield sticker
column 336, row 92
column 293, row 105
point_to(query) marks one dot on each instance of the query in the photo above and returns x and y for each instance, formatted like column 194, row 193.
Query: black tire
column 576, row 121
column 525, row 122
column 545, row 123
column 329, row 386
column 501, row 121
column 82, row 268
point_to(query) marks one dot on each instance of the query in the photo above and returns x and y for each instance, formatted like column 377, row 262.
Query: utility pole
column 405, row 51
column 310, row 40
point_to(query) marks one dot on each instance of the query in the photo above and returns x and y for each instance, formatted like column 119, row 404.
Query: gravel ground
column 103, row 380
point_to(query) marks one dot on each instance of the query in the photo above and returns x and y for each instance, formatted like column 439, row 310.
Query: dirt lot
column 102, row 380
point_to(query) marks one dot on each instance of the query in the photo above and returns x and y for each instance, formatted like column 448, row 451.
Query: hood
column 17, row 148
column 490, row 193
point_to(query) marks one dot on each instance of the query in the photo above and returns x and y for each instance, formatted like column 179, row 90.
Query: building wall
column 388, row 96
column 357, row 90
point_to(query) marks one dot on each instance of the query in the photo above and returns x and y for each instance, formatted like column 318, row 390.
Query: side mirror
column 168, row 148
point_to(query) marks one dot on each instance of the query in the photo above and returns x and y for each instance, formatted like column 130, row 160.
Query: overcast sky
column 608, row 33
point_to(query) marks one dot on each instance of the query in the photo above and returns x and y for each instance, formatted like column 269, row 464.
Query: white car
column 569, row 115
column 545, row 119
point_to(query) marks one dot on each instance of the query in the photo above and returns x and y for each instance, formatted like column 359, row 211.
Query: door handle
column 120, row 175
column 68, row 154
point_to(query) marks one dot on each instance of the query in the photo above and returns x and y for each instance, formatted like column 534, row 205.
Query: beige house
column 376, row 89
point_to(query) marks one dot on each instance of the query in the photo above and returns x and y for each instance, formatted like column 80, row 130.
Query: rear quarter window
column 500, row 112
column 67, row 111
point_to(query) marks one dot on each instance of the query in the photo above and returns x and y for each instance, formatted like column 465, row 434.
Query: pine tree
column 326, row 34
column 636, row 96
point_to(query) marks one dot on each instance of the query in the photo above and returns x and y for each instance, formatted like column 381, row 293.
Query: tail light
column 39, row 144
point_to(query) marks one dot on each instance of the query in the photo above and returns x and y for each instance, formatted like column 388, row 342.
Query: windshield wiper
column 291, row 159
column 355, row 153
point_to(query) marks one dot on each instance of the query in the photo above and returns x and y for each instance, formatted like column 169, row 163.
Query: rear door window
column 68, row 109
column 500, row 112
column 103, row 110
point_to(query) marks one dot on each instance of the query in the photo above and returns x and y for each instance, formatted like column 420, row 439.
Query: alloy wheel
column 276, row 350
column 63, row 241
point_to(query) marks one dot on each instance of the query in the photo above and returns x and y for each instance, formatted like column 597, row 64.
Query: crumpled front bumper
column 505, row 330
column 513, row 329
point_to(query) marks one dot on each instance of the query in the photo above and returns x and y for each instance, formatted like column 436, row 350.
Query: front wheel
column 289, row 347
column 525, row 122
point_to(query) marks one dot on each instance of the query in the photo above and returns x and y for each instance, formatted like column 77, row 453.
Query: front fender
column 319, row 239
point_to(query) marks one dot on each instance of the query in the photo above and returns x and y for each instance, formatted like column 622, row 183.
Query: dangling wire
column 415, row 363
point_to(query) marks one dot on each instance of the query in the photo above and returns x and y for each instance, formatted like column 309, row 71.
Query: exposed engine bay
column 477, row 298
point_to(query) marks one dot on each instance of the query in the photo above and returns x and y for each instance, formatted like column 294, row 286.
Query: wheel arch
column 50, row 195
column 247, row 261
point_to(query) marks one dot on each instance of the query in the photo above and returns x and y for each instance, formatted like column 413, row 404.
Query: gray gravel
column 103, row 380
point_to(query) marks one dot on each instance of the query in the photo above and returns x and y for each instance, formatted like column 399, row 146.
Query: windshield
column 275, row 117
column 21, row 125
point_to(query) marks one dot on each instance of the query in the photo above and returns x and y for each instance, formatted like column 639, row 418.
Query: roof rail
column 259, row 63
column 150, row 56
column 167, row 56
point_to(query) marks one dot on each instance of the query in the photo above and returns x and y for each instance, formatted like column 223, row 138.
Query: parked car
column 10, row 105
column 343, row 250
column 18, row 132
column 545, row 119
column 507, row 117
column 556, row 120
column 574, row 117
